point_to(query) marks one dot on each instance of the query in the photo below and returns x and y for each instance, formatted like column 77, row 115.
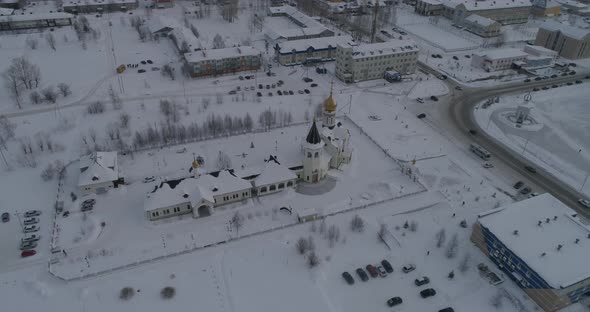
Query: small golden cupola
column 329, row 103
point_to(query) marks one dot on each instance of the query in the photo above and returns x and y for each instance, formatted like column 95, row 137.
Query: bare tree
column 124, row 120
column 168, row 71
column 312, row 260
column 452, row 247
column 302, row 245
column 32, row 43
column 96, row 107
column 115, row 99
column 382, row 232
column 218, row 42
column 64, row 89
column 333, row 235
column 413, row 226
column 48, row 173
column 50, row 40
column 237, row 221
column 357, row 224
column 440, row 238
column 49, row 94
column 223, row 161
column 13, row 84
column 323, row 226
column 35, row 97
column 464, row 265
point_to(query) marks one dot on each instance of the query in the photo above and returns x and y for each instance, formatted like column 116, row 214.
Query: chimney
column 547, row 220
column 539, row 224
column 577, row 240
column 559, row 246
column 515, row 232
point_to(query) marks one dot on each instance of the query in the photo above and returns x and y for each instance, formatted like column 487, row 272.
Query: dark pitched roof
column 313, row 137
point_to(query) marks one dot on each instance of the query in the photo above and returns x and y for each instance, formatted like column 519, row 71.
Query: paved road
column 459, row 111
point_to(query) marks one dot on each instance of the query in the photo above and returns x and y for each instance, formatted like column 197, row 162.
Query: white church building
column 325, row 148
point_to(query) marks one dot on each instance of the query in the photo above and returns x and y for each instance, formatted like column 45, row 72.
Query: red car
column 372, row 271
column 28, row 253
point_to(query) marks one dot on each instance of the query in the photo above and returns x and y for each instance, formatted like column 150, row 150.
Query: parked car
column 232, row 92
column 5, row 217
column 569, row 83
column 348, row 278
column 280, row 82
column 428, row 292
column 267, row 86
column 86, row 208
column 279, row 92
column 149, row 62
column 553, row 76
column 422, row 281
column 420, row 100
column 455, row 58
column 273, row 85
column 28, row 245
column 65, row 214
column 533, row 194
column 573, row 72
column 408, row 268
column 487, row 165
column 313, row 85
column 92, row 201
column 472, row 132
column 260, row 86
column 449, row 309
column 458, row 88
column 258, row 94
column 381, row 271
column 584, row 202
column 578, row 81
column 518, row 184
column 291, row 92
column 434, row 98
column 443, row 77
column 525, row 190
column 241, row 77
column 554, row 86
column 536, row 89
column 467, row 56
column 285, row 92
column 306, row 91
column 149, row 179
column 29, row 221
column 143, row 62
column 31, row 228
column 141, row 71
column 387, row 266
column 421, row 115
column 31, row 238
column 362, row 274
column 270, row 94
column 527, row 80
column 394, row 301
column 300, row 92
column 28, row 253
column 372, row 271
column 530, row 169
column 545, row 88
column 32, row 213
column 307, row 79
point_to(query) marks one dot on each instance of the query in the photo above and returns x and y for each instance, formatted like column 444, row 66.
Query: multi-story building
column 541, row 245
column 15, row 22
column 222, row 61
column 539, row 56
column 308, row 27
column 317, row 50
column 499, row 59
column 502, row 11
column 12, row 4
column 545, row 8
column 482, row 26
column 570, row 42
column 370, row 61
column 91, row 6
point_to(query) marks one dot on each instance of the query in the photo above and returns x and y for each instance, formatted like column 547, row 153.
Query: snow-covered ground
column 558, row 140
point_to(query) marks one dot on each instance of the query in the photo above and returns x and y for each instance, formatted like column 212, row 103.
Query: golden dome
column 329, row 103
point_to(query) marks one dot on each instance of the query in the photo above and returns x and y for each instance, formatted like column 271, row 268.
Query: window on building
column 263, row 189
column 316, row 155
column 290, row 183
column 272, row 187
column 281, row 186
column 308, row 154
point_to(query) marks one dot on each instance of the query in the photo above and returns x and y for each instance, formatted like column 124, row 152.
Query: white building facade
column 99, row 172
column 500, row 59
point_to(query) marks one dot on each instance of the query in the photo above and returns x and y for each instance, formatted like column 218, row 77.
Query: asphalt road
column 459, row 110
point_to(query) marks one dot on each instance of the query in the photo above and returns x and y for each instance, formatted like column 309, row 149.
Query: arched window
column 281, row 186
column 272, row 187
column 263, row 189
column 290, row 183
column 317, row 155
column 308, row 154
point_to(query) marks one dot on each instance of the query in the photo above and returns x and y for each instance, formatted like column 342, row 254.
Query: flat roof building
column 499, row 59
column 318, row 49
column 570, row 42
column 542, row 245
column 502, row 11
column 222, row 61
column 90, row 6
column 482, row 26
column 15, row 22
column 308, row 26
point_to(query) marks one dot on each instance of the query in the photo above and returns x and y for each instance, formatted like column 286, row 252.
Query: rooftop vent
column 543, row 254
column 515, row 232
column 559, row 246
column 577, row 240
column 547, row 220
column 540, row 222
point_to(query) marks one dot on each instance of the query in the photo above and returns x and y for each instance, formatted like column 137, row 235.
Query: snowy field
column 558, row 141
column 440, row 38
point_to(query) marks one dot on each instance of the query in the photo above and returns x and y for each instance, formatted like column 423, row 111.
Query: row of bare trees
column 21, row 75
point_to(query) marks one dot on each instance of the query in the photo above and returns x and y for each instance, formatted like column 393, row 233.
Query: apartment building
column 222, row 61
column 570, row 42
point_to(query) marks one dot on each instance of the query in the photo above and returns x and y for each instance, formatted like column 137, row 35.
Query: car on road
column 553, row 76
column 241, row 77
column 488, row 165
column 533, row 194
column 578, row 81
column 455, row 58
column 31, row 238
column 518, row 184
column 538, row 78
column 313, row 85
column 258, row 94
column 569, row 83
column 448, row 309
column 29, row 221
column 573, row 72
column 554, row 86
column 149, row 179
column 5, row 217
column 362, row 274
column 458, row 88
column 387, row 266
column 28, row 245
column 428, row 292
column 530, row 169
column 443, row 77
column 584, row 202
column 306, row 91
column 394, row 301
column 149, row 62
column 545, row 88
column 536, row 89
column 525, row 190
column 434, row 98
column 381, row 271
column 421, row 115
column 291, row 92
column 408, row 268
column 65, row 214
column 422, row 281
column 260, row 86
column 420, row 100
column 348, row 278
column 31, row 228
column 527, row 80
column 307, row 79
column 372, row 271
column 279, row 92
column 28, row 253
column 32, row 213
column 141, row 71
column 232, row 92
column 467, row 56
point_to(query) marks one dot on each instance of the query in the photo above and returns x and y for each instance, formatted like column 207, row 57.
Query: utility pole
column 374, row 26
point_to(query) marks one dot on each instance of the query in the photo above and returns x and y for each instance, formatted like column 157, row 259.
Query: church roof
column 329, row 103
column 313, row 137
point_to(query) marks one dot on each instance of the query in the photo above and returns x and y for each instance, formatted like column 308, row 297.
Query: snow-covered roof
column 474, row 5
column 35, row 17
column 308, row 26
column 274, row 173
column 383, row 48
column 193, row 190
column 98, row 167
column 560, row 226
column 570, row 4
column 183, row 34
column 499, row 54
column 6, row 11
column 539, row 50
column 321, row 43
column 96, row 2
column 159, row 23
column 220, row 54
column 431, row 2
column 481, row 20
column 570, row 31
